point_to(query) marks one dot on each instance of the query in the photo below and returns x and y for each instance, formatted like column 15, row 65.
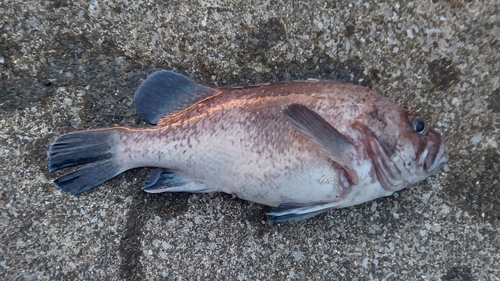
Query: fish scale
column 279, row 162
column 304, row 147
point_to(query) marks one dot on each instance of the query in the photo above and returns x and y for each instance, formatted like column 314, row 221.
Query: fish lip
column 432, row 164
column 445, row 157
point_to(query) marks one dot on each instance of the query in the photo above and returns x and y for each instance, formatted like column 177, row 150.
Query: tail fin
column 94, row 148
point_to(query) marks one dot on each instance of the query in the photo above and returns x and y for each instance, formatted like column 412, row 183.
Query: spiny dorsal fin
column 165, row 92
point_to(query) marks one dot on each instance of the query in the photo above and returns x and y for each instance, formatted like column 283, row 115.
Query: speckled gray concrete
column 72, row 65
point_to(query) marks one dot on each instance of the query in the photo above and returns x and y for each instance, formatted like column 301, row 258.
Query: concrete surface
column 73, row 65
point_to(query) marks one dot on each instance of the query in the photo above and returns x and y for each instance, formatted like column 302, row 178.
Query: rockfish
column 304, row 147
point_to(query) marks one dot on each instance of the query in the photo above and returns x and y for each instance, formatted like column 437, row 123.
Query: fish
column 303, row 147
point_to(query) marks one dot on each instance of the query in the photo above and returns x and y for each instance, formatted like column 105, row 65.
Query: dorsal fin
column 165, row 92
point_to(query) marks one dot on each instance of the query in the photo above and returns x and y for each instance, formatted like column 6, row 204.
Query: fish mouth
column 435, row 161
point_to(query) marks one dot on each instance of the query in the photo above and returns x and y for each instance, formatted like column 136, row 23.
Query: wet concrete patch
column 458, row 274
column 143, row 207
column 443, row 74
column 494, row 101
column 476, row 189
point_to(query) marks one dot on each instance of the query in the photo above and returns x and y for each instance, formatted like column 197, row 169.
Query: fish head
column 405, row 148
column 430, row 146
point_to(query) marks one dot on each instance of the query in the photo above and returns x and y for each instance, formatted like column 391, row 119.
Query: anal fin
column 166, row 180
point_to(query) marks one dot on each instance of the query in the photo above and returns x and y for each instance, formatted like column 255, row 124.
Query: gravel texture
column 73, row 65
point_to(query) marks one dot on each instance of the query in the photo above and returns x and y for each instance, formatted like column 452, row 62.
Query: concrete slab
column 74, row 65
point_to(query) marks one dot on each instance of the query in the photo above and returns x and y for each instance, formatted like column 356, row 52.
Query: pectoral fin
column 294, row 212
column 324, row 136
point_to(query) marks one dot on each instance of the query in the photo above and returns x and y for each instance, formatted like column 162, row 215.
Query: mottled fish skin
column 239, row 141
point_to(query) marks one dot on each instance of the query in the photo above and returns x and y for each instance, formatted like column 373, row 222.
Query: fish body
column 304, row 146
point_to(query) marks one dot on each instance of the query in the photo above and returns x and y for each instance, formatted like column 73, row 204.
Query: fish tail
column 94, row 148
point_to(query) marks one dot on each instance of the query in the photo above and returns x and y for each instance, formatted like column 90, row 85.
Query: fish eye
column 419, row 125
